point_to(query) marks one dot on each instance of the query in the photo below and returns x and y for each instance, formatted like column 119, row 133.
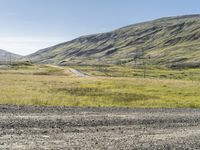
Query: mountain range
column 8, row 56
column 172, row 42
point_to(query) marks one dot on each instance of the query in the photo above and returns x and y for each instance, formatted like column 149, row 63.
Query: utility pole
column 144, row 66
column 135, row 61
column 99, row 61
column 10, row 59
column 141, row 56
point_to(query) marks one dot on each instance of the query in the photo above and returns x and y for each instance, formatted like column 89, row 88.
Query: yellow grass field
column 51, row 86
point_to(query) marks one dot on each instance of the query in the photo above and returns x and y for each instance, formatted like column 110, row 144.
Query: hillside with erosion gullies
column 172, row 42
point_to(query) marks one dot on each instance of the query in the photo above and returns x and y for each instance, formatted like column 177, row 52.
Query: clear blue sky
column 29, row 25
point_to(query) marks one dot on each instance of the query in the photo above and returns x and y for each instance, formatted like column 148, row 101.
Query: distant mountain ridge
column 170, row 41
column 7, row 56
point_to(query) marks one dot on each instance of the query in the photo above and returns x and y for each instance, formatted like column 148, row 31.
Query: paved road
column 78, row 73
column 73, row 71
column 98, row 128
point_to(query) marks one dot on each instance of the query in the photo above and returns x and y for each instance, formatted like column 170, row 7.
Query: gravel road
column 98, row 128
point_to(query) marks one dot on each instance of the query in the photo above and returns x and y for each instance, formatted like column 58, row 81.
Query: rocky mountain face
column 173, row 42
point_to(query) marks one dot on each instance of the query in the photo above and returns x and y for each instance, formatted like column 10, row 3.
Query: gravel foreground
column 29, row 127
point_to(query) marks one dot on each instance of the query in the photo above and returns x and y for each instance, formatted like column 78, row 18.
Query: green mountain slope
column 171, row 42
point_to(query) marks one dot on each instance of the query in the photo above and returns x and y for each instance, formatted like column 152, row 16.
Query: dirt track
column 98, row 128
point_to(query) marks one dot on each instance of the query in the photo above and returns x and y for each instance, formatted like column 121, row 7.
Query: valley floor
column 28, row 127
column 49, row 85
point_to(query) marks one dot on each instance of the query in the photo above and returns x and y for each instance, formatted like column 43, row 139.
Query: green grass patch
column 151, row 72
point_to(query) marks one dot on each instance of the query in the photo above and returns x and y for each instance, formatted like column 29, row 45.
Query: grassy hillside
column 172, row 42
